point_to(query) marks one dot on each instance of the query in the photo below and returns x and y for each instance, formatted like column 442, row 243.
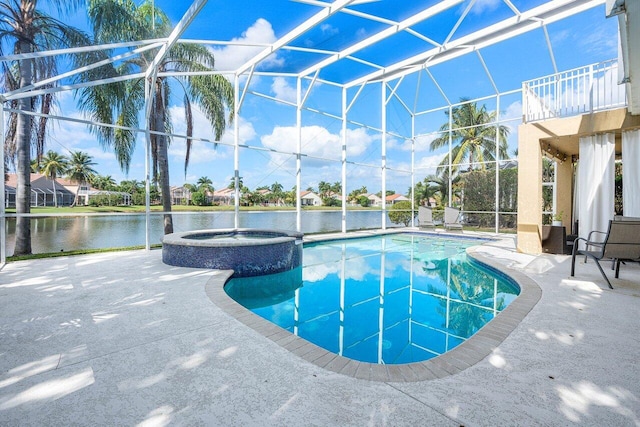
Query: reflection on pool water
column 391, row 299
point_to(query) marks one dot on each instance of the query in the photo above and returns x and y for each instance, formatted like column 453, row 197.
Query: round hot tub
column 248, row 252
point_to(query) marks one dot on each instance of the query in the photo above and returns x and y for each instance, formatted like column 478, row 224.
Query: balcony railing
column 579, row 91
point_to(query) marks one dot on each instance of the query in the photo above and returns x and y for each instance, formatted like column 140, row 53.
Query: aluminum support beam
column 299, row 155
column 383, row 154
column 3, row 230
column 508, row 28
column 344, row 160
column 326, row 12
column 395, row 29
column 236, row 150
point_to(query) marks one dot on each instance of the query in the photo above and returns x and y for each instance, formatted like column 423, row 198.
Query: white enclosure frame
column 388, row 77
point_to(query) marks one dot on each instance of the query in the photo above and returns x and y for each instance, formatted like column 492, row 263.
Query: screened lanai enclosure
column 416, row 99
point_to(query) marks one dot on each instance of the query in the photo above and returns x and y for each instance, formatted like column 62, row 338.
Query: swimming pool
column 390, row 299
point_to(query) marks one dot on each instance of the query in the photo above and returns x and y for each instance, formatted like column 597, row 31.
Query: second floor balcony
column 583, row 90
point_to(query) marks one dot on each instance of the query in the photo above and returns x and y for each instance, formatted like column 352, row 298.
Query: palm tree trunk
column 162, row 156
column 23, row 168
column 75, row 199
column 55, row 195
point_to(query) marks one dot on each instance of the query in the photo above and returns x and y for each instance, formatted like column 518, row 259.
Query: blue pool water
column 391, row 299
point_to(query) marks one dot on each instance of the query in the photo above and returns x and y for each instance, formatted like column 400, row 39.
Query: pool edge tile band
column 465, row 355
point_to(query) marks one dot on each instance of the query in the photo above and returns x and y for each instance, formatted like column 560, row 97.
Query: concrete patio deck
column 122, row 339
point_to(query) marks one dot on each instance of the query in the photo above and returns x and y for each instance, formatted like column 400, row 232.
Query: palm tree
column 131, row 186
column 441, row 184
column 205, row 183
column 34, row 166
column 29, row 30
column 324, row 188
column 473, row 137
column 100, row 182
column 276, row 188
column 423, row 191
column 54, row 164
column 232, row 183
column 117, row 20
column 80, row 170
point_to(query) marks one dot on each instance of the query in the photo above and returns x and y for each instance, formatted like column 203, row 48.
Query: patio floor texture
column 122, row 339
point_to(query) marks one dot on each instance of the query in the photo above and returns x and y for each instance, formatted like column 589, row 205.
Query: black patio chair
column 621, row 243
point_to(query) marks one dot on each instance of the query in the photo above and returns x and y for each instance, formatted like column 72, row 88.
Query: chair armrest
column 595, row 232
column 575, row 245
column 587, row 243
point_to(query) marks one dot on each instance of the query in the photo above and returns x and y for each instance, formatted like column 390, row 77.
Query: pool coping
column 463, row 356
column 182, row 237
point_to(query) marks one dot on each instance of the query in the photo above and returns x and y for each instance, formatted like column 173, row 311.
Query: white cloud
column 428, row 162
column 282, row 90
column 231, row 57
column 423, row 142
column 317, row 141
column 482, row 6
column 513, row 111
column 329, row 29
column 65, row 137
column 205, row 152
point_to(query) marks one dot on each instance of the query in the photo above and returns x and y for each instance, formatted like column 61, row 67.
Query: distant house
column 86, row 192
column 336, row 196
column 392, row 199
column 225, row 196
column 9, row 196
column 83, row 190
column 374, row 200
column 309, row 198
column 42, row 191
column 180, row 195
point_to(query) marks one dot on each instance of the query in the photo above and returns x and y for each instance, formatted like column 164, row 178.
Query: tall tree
column 117, row 20
column 423, row 191
column 276, row 187
column 107, row 182
column 324, row 188
column 473, row 137
column 441, row 184
column 131, row 186
column 54, row 164
column 80, row 170
column 232, row 183
column 30, row 30
column 205, row 183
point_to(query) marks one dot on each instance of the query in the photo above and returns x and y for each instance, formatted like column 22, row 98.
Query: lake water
column 55, row 234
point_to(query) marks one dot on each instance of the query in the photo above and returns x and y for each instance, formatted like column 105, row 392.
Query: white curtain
column 631, row 172
column 575, row 214
column 596, row 182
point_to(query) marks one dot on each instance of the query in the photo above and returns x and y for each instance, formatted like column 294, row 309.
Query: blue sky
column 580, row 40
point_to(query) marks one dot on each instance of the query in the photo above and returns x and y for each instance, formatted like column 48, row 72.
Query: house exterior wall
column 567, row 131
column 310, row 199
column 375, row 200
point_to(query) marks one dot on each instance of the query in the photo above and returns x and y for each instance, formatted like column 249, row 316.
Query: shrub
column 479, row 196
column 199, row 198
column 364, row 201
column 400, row 213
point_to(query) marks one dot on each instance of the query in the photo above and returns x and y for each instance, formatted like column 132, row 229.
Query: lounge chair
column 452, row 219
column 621, row 243
column 425, row 217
